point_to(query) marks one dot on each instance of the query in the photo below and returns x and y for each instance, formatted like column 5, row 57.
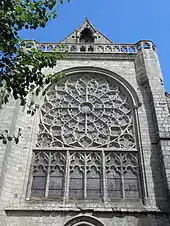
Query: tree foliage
column 20, row 70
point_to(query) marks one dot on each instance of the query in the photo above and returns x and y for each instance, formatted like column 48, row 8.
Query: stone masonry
column 136, row 68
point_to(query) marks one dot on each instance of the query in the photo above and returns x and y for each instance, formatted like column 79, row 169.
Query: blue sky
column 122, row 21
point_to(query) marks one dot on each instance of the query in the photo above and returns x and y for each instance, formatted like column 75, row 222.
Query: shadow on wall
column 155, row 164
column 146, row 221
column 154, row 220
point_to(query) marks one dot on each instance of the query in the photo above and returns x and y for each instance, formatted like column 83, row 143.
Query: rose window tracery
column 86, row 110
column 90, row 118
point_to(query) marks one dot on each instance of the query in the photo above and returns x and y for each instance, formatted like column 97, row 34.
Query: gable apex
column 87, row 33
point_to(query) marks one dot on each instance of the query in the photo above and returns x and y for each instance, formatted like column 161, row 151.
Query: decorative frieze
column 90, row 47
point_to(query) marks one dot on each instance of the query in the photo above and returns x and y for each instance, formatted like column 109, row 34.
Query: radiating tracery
column 89, row 119
column 86, row 110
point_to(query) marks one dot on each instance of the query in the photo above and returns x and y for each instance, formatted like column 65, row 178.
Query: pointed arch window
column 86, row 146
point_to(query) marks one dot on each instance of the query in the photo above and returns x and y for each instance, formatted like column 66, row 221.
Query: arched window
column 84, row 221
column 86, row 146
column 83, row 224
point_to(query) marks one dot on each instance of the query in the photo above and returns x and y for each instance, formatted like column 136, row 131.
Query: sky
column 122, row 21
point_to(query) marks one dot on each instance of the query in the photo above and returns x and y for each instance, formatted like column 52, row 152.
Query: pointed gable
column 87, row 33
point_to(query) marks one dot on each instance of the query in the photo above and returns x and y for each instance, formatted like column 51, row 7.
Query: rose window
column 86, row 147
column 86, row 110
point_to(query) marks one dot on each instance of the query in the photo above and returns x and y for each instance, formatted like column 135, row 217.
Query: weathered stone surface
column 140, row 74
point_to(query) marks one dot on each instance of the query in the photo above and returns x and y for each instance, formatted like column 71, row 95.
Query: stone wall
column 107, row 219
column 140, row 71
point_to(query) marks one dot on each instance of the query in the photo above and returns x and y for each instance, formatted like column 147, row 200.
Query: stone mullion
column 66, row 177
column 85, row 124
column 103, row 167
column 122, row 178
column 48, row 176
column 86, row 94
column 85, row 175
column 31, row 177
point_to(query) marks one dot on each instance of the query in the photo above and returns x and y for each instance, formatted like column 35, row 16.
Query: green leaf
column 21, row 63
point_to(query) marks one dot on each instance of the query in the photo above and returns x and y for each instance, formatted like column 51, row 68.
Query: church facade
column 97, row 150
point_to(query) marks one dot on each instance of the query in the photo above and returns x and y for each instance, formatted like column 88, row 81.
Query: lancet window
column 86, row 146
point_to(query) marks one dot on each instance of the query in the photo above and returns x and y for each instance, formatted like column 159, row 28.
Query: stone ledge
column 70, row 208
column 55, row 212
column 98, row 56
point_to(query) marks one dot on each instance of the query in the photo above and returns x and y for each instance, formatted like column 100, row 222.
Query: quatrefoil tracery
column 86, row 110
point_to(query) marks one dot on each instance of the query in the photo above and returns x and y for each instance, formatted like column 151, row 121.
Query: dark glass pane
column 56, row 173
column 38, row 183
column 114, row 194
column 37, row 193
column 131, row 187
column 76, row 183
column 56, row 183
column 93, row 183
column 40, row 171
column 76, row 173
column 76, row 193
column 113, row 184
column 93, row 194
column 57, row 193
column 131, row 194
column 130, row 184
column 93, row 173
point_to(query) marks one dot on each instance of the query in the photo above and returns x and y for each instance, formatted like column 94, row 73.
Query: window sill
column 119, row 206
